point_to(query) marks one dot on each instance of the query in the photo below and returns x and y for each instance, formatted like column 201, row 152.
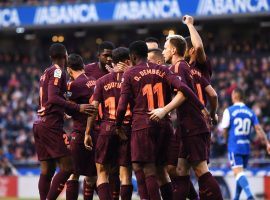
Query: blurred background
column 236, row 38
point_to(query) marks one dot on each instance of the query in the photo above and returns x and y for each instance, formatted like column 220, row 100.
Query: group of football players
column 120, row 107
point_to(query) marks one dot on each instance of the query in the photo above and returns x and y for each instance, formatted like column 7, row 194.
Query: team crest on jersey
column 57, row 73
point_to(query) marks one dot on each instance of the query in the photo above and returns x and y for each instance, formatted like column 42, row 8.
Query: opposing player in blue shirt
column 237, row 122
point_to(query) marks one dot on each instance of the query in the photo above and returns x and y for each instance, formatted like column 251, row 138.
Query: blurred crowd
column 235, row 63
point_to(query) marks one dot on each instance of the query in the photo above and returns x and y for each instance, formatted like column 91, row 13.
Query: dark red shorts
column 83, row 159
column 150, row 145
column 110, row 150
column 195, row 148
column 173, row 149
column 49, row 142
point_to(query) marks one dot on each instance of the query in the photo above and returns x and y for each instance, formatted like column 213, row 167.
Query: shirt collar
column 239, row 104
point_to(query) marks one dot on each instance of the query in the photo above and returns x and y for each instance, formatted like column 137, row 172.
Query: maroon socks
column 58, row 184
column 104, row 192
column 72, row 191
column 181, row 187
column 166, row 191
column 126, row 192
column 142, row 189
column 44, row 184
column 209, row 188
column 152, row 187
column 192, row 195
column 114, row 181
column 88, row 191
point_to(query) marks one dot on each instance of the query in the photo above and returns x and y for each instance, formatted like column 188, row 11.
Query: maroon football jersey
column 52, row 103
column 107, row 92
column 190, row 117
column 94, row 70
column 149, row 86
column 204, row 68
column 80, row 92
column 200, row 84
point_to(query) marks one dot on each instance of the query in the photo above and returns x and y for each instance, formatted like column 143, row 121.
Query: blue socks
column 242, row 183
column 238, row 191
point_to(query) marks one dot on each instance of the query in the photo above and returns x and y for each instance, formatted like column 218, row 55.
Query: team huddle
column 120, row 107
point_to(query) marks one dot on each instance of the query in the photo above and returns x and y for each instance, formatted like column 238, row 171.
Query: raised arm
column 195, row 38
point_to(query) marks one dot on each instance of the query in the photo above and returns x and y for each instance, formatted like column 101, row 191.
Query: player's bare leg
column 241, row 183
column 72, row 191
column 47, row 171
column 103, row 186
column 164, row 183
column 208, row 186
column 140, row 176
column 59, row 180
column 126, row 183
column 149, row 170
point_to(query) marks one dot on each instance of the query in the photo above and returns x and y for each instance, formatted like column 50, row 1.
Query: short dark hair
column 138, row 48
column 57, row 51
column 105, row 45
column 75, row 62
column 157, row 53
column 179, row 43
column 156, row 50
column 189, row 43
column 240, row 93
column 151, row 39
column 120, row 54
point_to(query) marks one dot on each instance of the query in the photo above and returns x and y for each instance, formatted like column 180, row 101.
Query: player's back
column 80, row 92
column 149, row 90
column 93, row 70
column 200, row 82
column 242, row 119
column 107, row 92
column 190, row 118
column 204, row 68
column 51, row 114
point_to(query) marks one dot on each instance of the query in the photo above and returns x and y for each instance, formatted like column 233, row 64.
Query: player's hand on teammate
column 88, row 109
column 158, row 114
column 121, row 133
column 120, row 67
column 88, row 143
column 206, row 115
column 188, row 20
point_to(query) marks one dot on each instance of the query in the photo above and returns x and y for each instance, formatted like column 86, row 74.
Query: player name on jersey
column 112, row 85
column 149, row 72
column 195, row 72
column 89, row 84
column 243, row 111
